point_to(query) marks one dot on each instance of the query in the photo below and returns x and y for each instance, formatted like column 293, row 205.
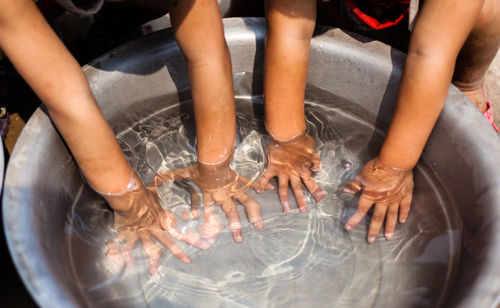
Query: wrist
column 286, row 136
column 120, row 200
column 218, row 175
column 397, row 156
column 379, row 163
column 222, row 157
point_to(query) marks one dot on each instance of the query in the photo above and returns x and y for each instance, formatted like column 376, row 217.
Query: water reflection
column 297, row 259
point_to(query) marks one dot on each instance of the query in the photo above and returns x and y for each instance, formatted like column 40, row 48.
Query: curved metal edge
column 476, row 283
column 35, row 274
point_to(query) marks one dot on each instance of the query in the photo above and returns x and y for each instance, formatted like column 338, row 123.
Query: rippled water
column 297, row 260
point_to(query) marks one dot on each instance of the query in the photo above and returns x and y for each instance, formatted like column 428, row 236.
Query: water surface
column 296, row 260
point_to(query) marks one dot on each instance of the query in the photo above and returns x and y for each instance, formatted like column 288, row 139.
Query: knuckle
column 378, row 218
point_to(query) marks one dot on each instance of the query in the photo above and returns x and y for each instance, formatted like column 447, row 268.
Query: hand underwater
column 389, row 189
column 220, row 185
column 138, row 215
column 292, row 161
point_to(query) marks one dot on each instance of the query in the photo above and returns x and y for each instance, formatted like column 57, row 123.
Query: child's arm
column 439, row 33
column 199, row 32
column 46, row 65
column 200, row 35
column 55, row 76
column 290, row 25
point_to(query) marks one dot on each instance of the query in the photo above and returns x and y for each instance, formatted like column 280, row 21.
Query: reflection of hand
column 141, row 217
column 293, row 161
column 390, row 189
column 221, row 185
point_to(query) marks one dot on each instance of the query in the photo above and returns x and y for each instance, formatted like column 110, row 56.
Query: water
column 296, row 260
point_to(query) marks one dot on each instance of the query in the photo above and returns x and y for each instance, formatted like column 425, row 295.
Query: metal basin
column 445, row 255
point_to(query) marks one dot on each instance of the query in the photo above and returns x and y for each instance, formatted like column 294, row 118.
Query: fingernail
column 303, row 209
column 258, row 190
column 239, row 238
column 320, row 195
column 205, row 245
column 347, row 190
column 258, row 224
column 186, row 260
column 403, row 220
column 286, row 206
column 371, row 239
column 389, row 236
column 348, row 227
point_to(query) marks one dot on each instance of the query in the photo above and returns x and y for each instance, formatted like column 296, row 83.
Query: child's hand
column 221, row 185
column 144, row 218
column 293, row 161
column 390, row 189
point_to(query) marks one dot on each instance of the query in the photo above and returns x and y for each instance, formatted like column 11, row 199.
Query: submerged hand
column 141, row 217
column 219, row 185
column 293, row 161
column 390, row 189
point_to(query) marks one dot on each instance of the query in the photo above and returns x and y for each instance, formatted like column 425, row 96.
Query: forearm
column 290, row 25
column 47, row 66
column 200, row 34
column 439, row 33
column 421, row 97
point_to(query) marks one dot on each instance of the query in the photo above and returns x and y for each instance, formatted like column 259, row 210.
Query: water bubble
column 347, row 164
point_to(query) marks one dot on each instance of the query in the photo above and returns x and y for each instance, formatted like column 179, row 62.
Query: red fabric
column 372, row 22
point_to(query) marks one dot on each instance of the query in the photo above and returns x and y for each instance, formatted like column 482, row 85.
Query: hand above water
column 138, row 215
column 292, row 162
column 389, row 189
column 220, row 185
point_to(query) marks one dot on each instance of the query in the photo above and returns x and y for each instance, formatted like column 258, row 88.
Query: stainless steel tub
column 42, row 183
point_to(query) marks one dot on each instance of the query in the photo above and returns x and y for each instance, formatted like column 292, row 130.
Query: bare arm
column 387, row 180
column 440, row 32
column 200, row 34
column 43, row 61
column 290, row 25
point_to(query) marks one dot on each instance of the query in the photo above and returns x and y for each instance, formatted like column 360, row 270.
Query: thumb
column 352, row 187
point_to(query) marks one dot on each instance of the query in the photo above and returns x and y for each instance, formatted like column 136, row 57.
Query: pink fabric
column 488, row 114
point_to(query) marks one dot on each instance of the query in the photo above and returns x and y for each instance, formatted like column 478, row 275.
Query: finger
column 391, row 220
column 114, row 253
column 233, row 218
column 296, row 184
column 352, row 187
column 171, row 246
column 283, row 191
column 246, row 181
column 211, row 226
column 404, row 209
column 207, row 200
column 151, row 250
column 252, row 208
column 162, row 177
column 167, row 222
column 311, row 185
column 316, row 163
column 364, row 205
column 262, row 183
column 195, row 203
column 376, row 222
column 129, row 238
